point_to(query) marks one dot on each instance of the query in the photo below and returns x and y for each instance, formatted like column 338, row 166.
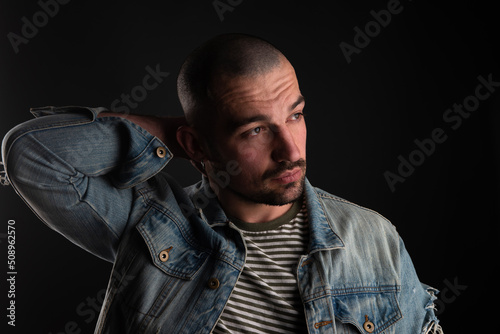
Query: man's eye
column 255, row 131
column 297, row 116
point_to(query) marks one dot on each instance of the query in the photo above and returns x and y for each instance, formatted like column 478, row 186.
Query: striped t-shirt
column 266, row 297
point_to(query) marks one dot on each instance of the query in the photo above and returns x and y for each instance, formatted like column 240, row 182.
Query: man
column 253, row 247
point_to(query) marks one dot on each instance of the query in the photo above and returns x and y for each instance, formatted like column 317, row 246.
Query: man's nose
column 285, row 147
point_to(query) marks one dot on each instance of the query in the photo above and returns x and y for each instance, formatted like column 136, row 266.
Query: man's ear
column 189, row 139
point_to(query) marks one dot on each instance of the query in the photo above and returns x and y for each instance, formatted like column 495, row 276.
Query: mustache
column 284, row 166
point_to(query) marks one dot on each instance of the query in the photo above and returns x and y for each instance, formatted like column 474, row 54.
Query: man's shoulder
column 346, row 215
column 342, row 203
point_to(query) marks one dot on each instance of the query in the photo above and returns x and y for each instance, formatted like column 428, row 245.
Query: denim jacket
column 176, row 256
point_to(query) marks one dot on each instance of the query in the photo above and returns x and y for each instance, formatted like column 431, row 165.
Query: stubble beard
column 282, row 195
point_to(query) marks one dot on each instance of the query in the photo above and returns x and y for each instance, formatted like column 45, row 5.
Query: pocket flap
column 168, row 245
column 371, row 310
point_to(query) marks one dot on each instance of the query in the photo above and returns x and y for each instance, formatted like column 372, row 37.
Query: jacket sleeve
column 416, row 300
column 77, row 172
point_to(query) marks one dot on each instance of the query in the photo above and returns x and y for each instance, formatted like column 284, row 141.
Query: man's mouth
column 288, row 176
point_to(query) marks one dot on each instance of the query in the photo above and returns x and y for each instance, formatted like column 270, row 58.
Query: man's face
column 260, row 125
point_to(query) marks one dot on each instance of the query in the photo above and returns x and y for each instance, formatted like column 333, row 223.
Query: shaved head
column 230, row 55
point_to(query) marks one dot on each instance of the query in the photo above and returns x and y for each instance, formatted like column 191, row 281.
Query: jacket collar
column 206, row 203
column 187, row 253
column 322, row 234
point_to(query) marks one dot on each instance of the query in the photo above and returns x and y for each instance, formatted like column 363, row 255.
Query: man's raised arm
column 77, row 168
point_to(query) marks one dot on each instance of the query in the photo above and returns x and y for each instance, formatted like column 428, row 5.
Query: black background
column 361, row 116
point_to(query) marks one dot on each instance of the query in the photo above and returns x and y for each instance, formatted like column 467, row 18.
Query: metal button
column 213, row 283
column 164, row 254
column 368, row 325
column 161, row 152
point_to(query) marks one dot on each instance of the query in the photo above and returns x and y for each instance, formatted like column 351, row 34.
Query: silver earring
column 202, row 164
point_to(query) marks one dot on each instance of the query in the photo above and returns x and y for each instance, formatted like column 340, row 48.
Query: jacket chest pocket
column 157, row 275
column 372, row 311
